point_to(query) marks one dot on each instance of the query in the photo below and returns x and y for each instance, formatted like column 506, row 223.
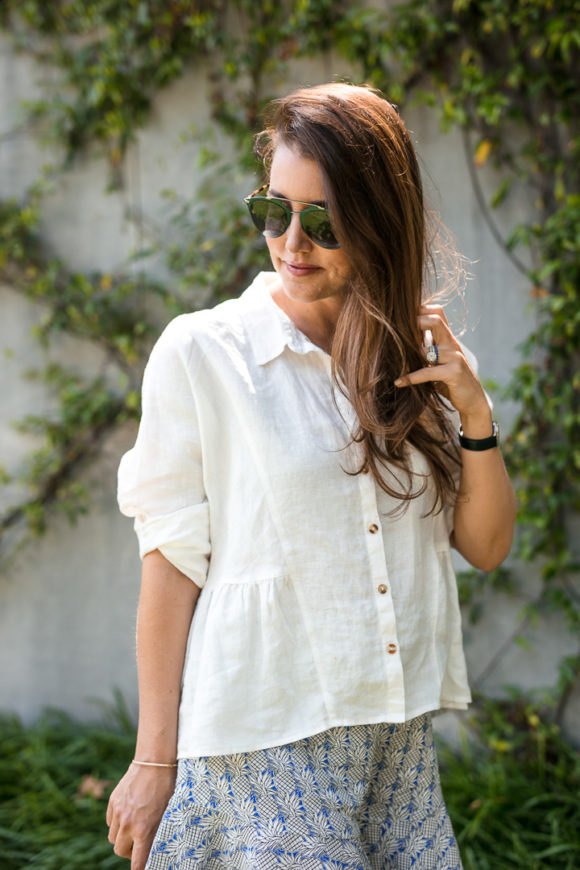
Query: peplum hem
column 250, row 664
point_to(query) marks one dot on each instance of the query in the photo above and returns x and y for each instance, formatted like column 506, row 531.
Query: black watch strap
column 480, row 443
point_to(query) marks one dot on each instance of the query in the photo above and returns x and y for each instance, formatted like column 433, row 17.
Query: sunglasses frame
column 256, row 195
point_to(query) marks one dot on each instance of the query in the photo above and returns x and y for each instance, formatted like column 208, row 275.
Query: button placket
column 380, row 580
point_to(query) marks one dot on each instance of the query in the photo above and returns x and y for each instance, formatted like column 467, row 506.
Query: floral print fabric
column 366, row 797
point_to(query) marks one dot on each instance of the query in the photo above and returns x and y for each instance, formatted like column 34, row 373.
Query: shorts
column 363, row 797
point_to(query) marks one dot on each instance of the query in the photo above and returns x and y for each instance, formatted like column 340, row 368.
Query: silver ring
column 432, row 355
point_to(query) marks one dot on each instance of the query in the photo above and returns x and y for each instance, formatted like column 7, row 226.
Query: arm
column 486, row 507
column 485, row 512
column 166, row 605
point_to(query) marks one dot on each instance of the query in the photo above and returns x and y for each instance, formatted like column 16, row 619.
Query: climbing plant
column 505, row 72
column 508, row 75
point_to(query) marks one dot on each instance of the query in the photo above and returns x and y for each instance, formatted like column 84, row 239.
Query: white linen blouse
column 319, row 607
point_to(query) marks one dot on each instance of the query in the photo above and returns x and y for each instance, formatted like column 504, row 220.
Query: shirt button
column 392, row 648
column 382, row 588
column 373, row 528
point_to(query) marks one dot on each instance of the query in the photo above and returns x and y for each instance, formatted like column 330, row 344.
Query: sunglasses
column 272, row 218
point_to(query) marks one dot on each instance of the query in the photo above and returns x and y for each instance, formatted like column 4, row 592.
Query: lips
column 301, row 269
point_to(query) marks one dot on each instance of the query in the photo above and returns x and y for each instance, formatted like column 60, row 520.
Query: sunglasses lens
column 272, row 219
column 316, row 224
column 269, row 217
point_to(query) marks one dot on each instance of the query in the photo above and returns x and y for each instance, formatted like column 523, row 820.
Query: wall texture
column 67, row 601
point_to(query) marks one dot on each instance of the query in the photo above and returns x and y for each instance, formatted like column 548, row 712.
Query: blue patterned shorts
column 365, row 797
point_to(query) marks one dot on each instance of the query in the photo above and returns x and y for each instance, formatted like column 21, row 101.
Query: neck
column 317, row 320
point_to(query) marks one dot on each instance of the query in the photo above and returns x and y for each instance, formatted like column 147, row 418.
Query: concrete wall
column 67, row 601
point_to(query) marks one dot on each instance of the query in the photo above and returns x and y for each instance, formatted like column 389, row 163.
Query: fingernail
column 399, row 382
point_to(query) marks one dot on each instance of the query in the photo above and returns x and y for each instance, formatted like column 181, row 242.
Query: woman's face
column 308, row 272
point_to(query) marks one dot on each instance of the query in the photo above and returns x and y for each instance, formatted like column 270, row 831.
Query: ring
column 432, row 355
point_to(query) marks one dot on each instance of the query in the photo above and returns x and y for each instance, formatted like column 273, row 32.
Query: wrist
column 478, row 424
column 158, row 747
column 480, row 444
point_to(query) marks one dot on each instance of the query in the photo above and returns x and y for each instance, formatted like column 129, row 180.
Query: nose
column 296, row 238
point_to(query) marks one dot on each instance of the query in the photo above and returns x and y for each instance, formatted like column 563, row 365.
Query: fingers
column 434, row 311
column 445, row 356
column 123, row 845
column 112, row 821
column 438, row 327
column 140, row 853
column 126, row 845
column 439, row 342
column 422, row 376
column 449, row 364
column 121, row 841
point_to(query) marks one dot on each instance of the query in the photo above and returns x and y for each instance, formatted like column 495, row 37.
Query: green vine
column 506, row 72
column 508, row 75
column 130, row 51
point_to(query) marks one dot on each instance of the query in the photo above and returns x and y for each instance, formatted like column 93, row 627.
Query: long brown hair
column 374, row 193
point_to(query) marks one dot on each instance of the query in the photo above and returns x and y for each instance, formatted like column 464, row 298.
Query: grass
column 55, row 778
column 513, row 795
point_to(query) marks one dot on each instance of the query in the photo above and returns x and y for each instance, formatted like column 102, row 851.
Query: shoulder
column 186, row 332
column 225, row 318
column 185, row 329
column 202, row 335
column 184, row 350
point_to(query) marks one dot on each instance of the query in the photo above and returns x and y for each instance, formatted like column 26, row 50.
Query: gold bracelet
column 152, row 763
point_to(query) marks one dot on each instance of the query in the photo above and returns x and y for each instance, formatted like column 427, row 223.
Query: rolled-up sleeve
column 160, row 480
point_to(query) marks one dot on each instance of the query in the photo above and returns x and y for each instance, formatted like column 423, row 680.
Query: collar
column 270, row 330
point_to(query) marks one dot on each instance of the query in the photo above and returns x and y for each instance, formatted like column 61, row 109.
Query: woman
column 296, row 484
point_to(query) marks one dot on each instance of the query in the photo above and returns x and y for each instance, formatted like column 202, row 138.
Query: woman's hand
column 455, row 378
column 135, row 810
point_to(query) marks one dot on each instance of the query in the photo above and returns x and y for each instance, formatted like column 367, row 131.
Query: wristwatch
column 480, row 443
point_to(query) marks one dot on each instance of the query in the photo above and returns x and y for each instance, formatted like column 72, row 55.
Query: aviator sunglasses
column 272, row 218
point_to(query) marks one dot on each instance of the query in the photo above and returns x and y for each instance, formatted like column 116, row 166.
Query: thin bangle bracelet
column 152, row 763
